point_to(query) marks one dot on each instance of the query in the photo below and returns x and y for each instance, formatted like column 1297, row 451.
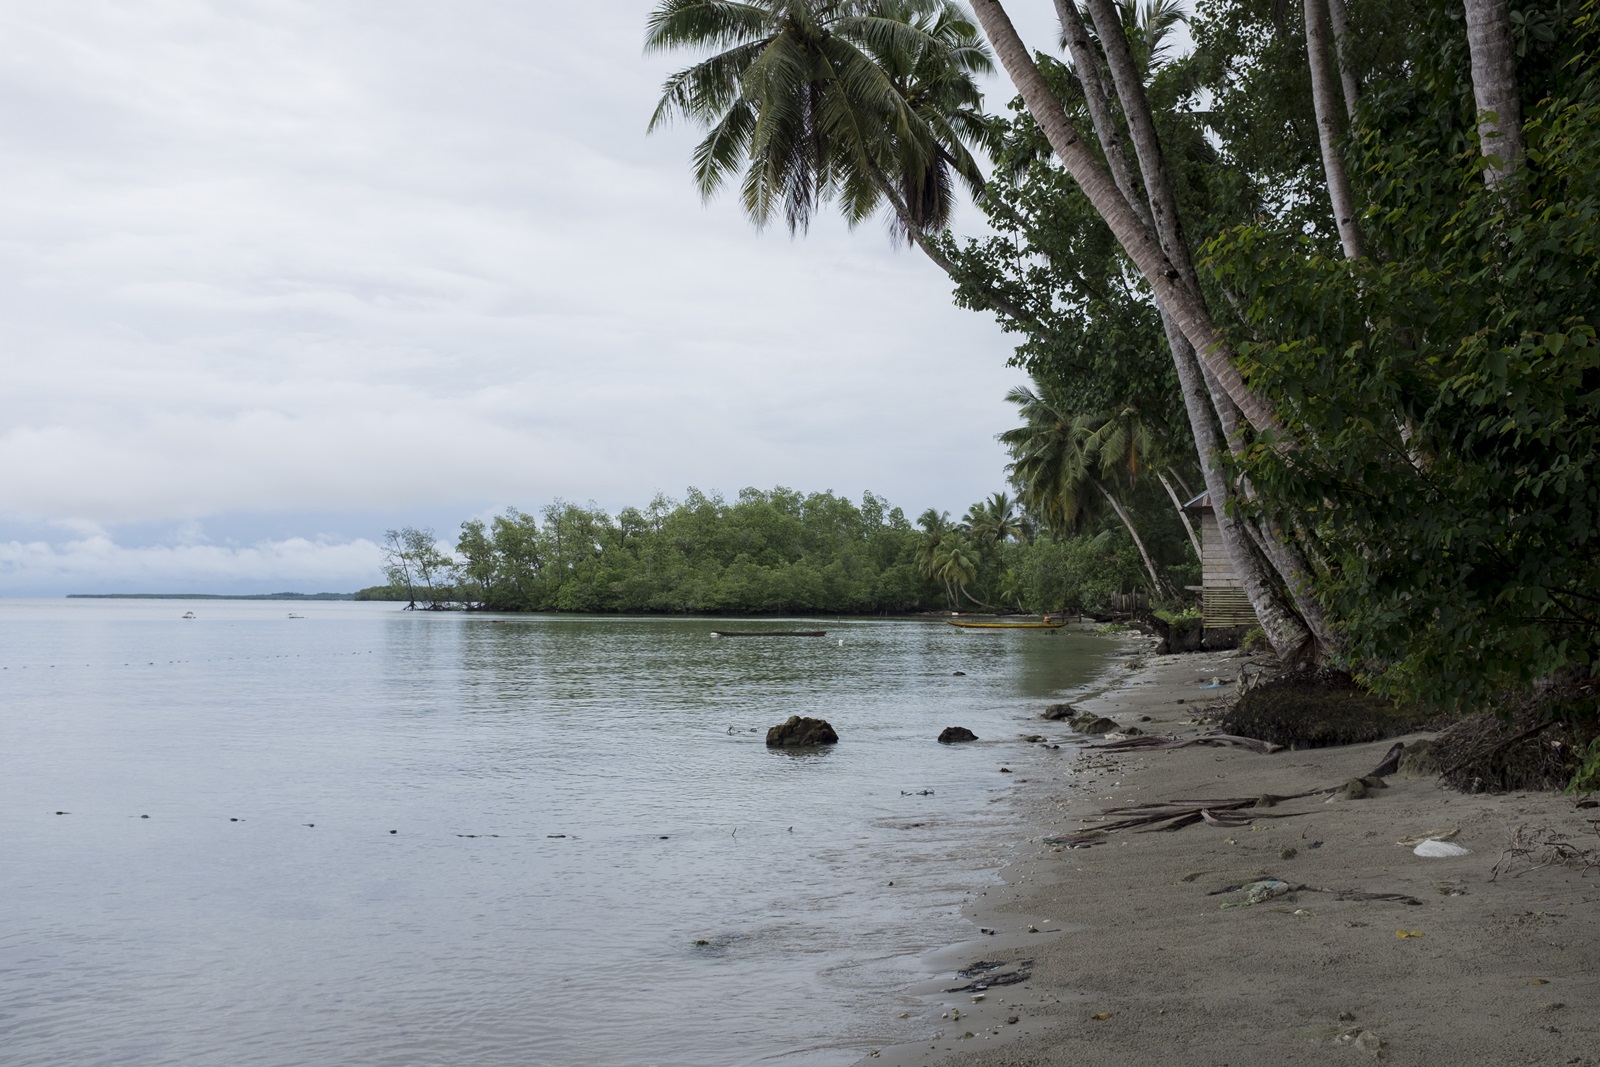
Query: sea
column 269, row 833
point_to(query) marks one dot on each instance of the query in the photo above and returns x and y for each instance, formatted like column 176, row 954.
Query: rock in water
column 1059, row 711
column 798, row 732
column 951, row 734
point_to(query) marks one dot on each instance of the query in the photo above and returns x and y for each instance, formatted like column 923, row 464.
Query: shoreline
column 1136, row 962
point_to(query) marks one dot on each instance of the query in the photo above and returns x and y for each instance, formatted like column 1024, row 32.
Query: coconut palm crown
column 863, row 101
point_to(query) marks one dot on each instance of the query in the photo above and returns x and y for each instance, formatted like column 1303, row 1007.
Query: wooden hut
column 1223, row 602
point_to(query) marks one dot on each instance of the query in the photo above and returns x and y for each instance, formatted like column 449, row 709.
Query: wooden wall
column 1223, row 602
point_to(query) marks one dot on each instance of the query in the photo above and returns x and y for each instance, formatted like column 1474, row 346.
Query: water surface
column 378, row 837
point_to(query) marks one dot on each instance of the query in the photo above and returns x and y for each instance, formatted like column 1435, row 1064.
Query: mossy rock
column 1318, row 708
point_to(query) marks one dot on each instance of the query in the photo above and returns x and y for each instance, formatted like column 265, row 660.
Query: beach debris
column 953, row 674
column 1264, row 748
column 1403, row 934
column 1365, row 1040
column 1288, row 853
column 978, row 996
column 1532, row 848
column 1100, row 1016
column 1033, row 738
column 555, row 835
column 1390, row 762
column 1435, row 849
column 1012, row 1020
column 1005, row 770
column 952, row 735
column 1096, row 724
column 1354, row 789
column 911, row 793
column 986, row 974
column 801, row 732
column 1260, row 892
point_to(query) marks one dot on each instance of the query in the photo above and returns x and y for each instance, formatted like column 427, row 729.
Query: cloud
column 98, row 564
column 279, row 256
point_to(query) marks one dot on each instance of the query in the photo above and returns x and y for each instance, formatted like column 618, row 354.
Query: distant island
column 211, row 596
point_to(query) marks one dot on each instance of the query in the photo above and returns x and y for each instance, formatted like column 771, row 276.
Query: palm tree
column 871, row 102
column 957, row 567
column 1061, row 463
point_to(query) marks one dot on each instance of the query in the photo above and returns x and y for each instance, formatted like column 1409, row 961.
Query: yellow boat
column 972, row 624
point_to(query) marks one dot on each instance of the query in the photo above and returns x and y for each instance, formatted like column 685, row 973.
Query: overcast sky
column 276, row 275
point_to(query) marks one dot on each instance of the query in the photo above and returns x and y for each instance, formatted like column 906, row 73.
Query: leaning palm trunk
column 1194, row 538
column 1158, row 585
column 1339, row 19
column 1494, row 87
column 1323, row 97
column 1286, row 631
column 1136, row 239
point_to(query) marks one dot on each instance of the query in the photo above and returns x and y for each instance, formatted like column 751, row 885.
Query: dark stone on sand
column 800, row 732
column 952, row 734
column 1059, row 711
column 1094, row 724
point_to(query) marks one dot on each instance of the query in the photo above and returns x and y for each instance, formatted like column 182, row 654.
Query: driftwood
column 1171, row 744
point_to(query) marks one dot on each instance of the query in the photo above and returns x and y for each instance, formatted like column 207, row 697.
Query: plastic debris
column 1437, row 849
column 1402, row 934
column 1101, row 1016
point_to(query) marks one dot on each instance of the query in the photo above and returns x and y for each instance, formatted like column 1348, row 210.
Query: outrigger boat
column 973, row 624
column 769, row 633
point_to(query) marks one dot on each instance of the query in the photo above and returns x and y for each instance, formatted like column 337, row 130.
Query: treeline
column 778, row 551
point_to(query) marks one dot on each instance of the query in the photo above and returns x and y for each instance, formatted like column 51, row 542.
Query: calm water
column 474, row 934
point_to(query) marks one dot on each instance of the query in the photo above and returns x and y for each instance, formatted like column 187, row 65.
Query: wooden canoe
column 769, row 633
column 967, row 624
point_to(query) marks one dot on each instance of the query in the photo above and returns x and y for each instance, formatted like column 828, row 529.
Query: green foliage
column 775, row 551
column 866, row 101
column 1254, row 640
column 1077, row 573
column 381, row 592
column 1445, row 392
column 1586, row 779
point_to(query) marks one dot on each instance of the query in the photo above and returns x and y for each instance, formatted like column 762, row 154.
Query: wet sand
column 1136, row 962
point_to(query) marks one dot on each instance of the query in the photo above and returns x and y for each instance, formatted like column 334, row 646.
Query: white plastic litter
column 1440, row 849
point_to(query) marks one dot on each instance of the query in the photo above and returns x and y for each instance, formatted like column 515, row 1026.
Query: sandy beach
column 1138, row 958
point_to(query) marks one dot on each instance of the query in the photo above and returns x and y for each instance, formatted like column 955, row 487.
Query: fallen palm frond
column 1176, row 814
column 1532, row 848
column 1170, row 744
column 1269, row 888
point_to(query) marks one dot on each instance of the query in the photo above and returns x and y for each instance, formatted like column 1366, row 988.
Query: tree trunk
column 1343, row 45
column 1158, row 584
column 1194, row 538
column 1286, row 631
column 1097, row 94
column 1328, row 132
column 1129, row 83
column 1140, row 244
column 1494, row 88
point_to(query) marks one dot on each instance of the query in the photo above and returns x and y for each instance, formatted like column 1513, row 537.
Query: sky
column 276, row 276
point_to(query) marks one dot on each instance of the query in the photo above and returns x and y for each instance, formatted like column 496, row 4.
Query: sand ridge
column 1136, row 962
